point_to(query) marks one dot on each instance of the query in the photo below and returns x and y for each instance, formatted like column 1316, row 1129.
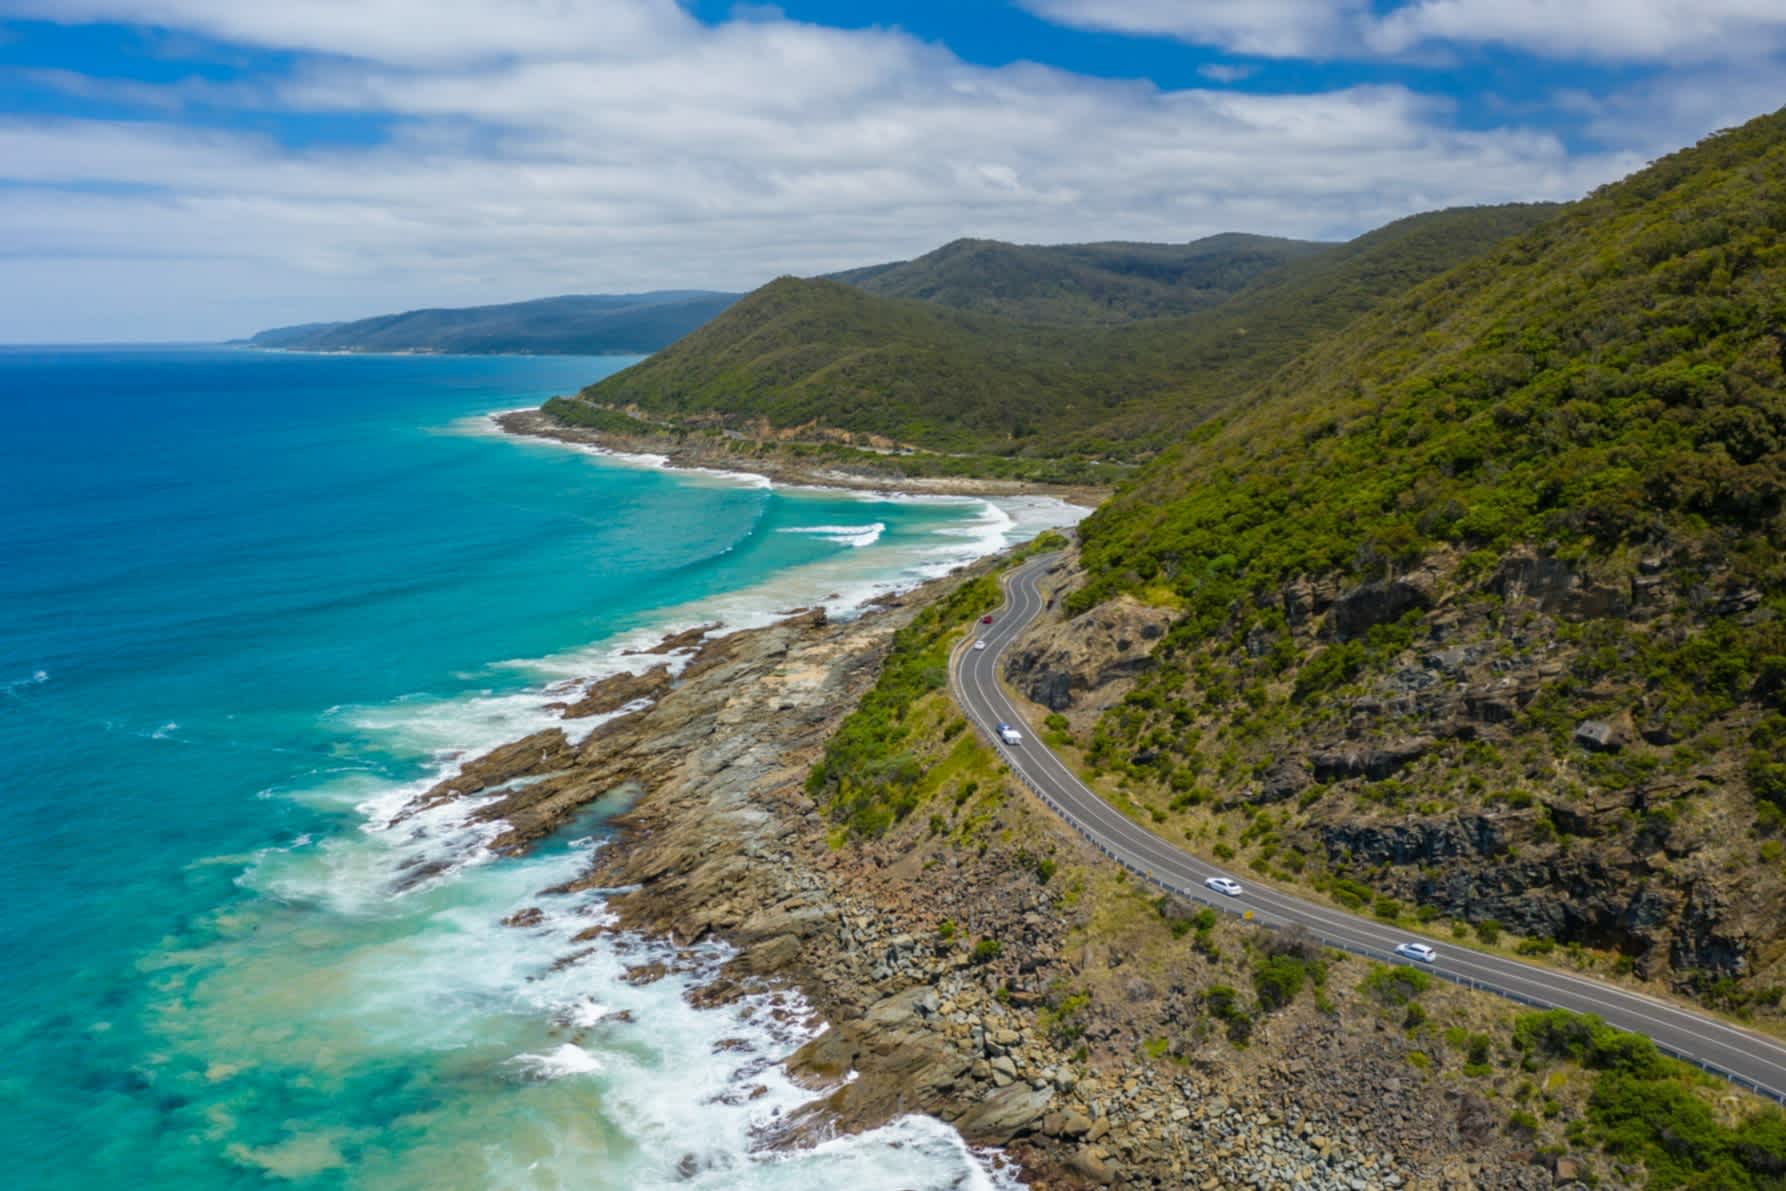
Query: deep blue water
column 242, row 596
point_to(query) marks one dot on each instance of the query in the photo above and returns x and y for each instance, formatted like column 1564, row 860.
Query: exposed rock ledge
column 723, row 840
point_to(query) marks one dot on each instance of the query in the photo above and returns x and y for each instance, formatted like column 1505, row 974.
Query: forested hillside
column 1479, row 609
column 1080, row 284
column 576, row 324
column 822, row 354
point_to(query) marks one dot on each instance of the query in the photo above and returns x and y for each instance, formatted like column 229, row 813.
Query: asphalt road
column 1743, row 1057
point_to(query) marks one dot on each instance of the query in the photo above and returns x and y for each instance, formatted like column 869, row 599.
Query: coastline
column 668, row 452
column 865, row 950
column 720, row 843
column 717, row 842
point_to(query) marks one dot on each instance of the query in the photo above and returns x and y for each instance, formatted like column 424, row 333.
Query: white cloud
column 1677, row 110
column 679, row 155
column 1606, row 30
column 419, row 32
column 1226, row 72
column 1268, row 28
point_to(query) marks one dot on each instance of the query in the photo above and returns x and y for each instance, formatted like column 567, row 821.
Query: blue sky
column 198, row 169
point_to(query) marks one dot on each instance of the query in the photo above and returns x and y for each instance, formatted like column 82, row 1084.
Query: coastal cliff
column 980, row 966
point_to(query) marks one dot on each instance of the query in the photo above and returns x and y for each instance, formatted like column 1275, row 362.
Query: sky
column 201, row 169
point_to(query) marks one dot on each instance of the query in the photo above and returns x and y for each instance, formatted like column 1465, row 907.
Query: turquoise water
column 246, row 601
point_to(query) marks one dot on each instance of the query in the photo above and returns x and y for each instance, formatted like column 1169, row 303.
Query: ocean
column 249, row 602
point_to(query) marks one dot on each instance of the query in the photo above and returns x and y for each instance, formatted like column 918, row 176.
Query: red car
column 987, row 619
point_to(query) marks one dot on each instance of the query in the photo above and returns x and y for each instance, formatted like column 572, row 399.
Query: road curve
column 1745, row 1058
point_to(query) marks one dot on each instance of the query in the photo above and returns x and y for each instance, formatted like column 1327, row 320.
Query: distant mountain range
column 575, row 324
column 1092, row 350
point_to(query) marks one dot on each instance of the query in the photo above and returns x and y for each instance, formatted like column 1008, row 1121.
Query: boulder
column 1599, row 736
column 616, row 691
column 1006, row 1113
column 1090, row 1163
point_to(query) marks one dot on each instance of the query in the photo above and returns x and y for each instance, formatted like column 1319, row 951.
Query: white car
column 979, row 645
column 1418, row 952
column 1223, row 885
column 1009, row 734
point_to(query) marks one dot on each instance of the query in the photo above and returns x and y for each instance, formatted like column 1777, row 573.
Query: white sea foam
column 693, row 1093
column 37, row 678
column 569, row 1059
column 855, row 536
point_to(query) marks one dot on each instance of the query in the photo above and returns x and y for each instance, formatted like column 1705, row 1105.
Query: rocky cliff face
column 1084, row 666
column 1529, row 744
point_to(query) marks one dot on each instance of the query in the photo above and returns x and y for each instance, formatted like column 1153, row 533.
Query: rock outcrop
column 1085, row 665
column 1468, row 739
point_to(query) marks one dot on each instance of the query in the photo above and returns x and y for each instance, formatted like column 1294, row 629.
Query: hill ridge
column 571, row 324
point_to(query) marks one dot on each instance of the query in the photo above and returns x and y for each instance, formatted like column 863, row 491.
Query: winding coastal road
column 1743, row 1057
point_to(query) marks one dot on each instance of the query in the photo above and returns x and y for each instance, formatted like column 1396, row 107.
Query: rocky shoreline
column 721, row 841
column 695, row 456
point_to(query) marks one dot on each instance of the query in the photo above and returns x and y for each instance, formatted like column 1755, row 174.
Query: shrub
column 867, row 778
column 1558, row 1033
column 986, row 950
column 1221, row 1000
column 1278, row 980
column 1223, row 1003
column 1351, row 894
column 1395, row 985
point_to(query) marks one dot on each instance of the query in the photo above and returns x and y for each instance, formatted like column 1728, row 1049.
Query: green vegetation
column 807, row 355
column 1395, row 986
column 1647, row 1107
column 1223, row 1004
column 1613, row 375
column 1062, row 1016
column 1277, row 981
column 577, row 324
column 671, row 431
column 867, row 778
column 1565, row 462
column 596, row 417
column 1081, row 283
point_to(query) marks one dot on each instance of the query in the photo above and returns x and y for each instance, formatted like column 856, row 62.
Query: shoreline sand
column 534, row 423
